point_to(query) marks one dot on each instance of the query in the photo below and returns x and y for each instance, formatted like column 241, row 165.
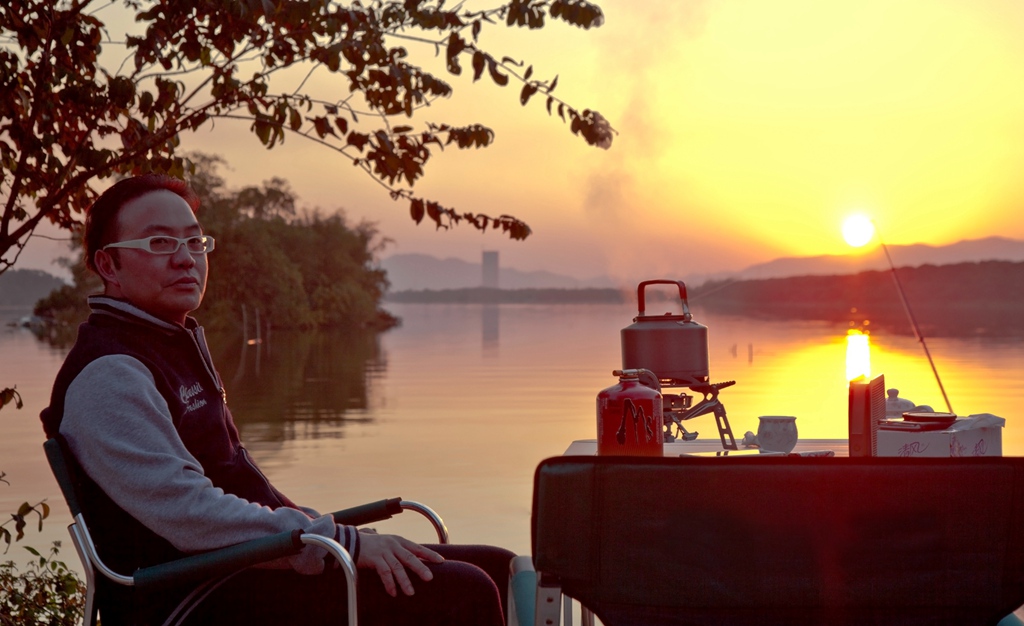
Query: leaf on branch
column 384, row 141
column 19, row 527
column 496, row 76
column 133, row 134
column 334, row 57
column 515, row 13
column 121, row 91
column 434, row 211
column 472, row 136
column 416, row 210
column 322, row 126
column 519, row 231
column 6, row 396
column 536, row 19
column 479, row 60
column 358, row 140
column 197, row 120
column 455, row 47
column 398, row 130
column 594, row 127
column 578, row 13
column 145, row 103
column 411, row 168
column 528, row 90
column 262, row 130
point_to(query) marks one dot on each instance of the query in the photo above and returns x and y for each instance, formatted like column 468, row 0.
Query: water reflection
column 424, row 412
column 858, row 355
column 298, row 383
column 490, row 319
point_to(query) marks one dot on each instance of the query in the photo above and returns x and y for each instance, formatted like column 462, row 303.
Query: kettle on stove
column 672, row 346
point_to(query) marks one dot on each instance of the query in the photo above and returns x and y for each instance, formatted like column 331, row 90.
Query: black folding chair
column 776, row 540
column 201, row 568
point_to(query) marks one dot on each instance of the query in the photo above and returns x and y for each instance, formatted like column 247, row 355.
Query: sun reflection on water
column 858, row 355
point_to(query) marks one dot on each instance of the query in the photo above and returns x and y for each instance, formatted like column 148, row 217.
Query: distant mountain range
column 915, row 255
column 417, row 272
column 422, row 271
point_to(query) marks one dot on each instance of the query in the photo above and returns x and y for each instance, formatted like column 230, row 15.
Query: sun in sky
column 858, row 229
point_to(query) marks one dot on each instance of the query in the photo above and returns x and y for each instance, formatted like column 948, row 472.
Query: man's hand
column 391, row 555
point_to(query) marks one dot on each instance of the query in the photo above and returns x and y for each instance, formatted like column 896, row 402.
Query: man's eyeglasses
column 164, row 244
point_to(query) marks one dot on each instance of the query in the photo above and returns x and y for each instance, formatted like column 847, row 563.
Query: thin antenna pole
column 913, row 322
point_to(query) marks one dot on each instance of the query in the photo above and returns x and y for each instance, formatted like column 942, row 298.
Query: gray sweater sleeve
column 119, row 428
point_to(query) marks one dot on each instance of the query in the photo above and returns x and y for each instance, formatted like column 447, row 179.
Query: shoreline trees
column 298, row 268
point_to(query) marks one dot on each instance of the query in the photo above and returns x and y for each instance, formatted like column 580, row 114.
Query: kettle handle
column 682, row 295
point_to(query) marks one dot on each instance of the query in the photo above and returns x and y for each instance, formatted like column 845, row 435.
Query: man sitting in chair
column 144, row 412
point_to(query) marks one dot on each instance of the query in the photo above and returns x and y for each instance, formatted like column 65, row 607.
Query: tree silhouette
column 69, row 119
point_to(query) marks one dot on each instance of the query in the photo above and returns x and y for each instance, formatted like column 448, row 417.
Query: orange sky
column 748, row 130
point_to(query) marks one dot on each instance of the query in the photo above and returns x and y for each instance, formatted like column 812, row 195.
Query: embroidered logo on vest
column 188, row 393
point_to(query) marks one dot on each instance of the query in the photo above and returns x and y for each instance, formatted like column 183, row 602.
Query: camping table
column 588, row 447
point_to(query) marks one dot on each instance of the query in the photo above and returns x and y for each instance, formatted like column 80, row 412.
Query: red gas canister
column 629, row 417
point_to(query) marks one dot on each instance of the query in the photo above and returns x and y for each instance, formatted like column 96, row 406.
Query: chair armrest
column 231, row 559
column 226, row 560
column 369, row 513
column 219, row 562
column 386, row 509
column 347, row 565
column 434, row 518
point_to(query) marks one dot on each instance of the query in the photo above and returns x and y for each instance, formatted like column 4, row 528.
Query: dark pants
column 468, row 589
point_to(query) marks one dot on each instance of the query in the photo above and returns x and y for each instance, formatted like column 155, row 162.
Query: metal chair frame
column 218, row 563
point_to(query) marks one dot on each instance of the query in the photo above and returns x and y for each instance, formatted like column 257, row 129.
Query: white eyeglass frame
column 146, row 244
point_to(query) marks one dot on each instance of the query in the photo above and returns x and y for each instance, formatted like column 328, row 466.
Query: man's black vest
column 187, row 380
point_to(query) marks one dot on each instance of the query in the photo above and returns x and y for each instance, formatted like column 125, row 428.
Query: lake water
column 456, row 407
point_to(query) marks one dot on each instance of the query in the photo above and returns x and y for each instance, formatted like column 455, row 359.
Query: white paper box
column 985, row 441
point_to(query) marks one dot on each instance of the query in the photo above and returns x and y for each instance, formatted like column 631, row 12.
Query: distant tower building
column 490, row 269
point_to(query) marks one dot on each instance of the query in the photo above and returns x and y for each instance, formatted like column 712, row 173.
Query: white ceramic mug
column 776, row 433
